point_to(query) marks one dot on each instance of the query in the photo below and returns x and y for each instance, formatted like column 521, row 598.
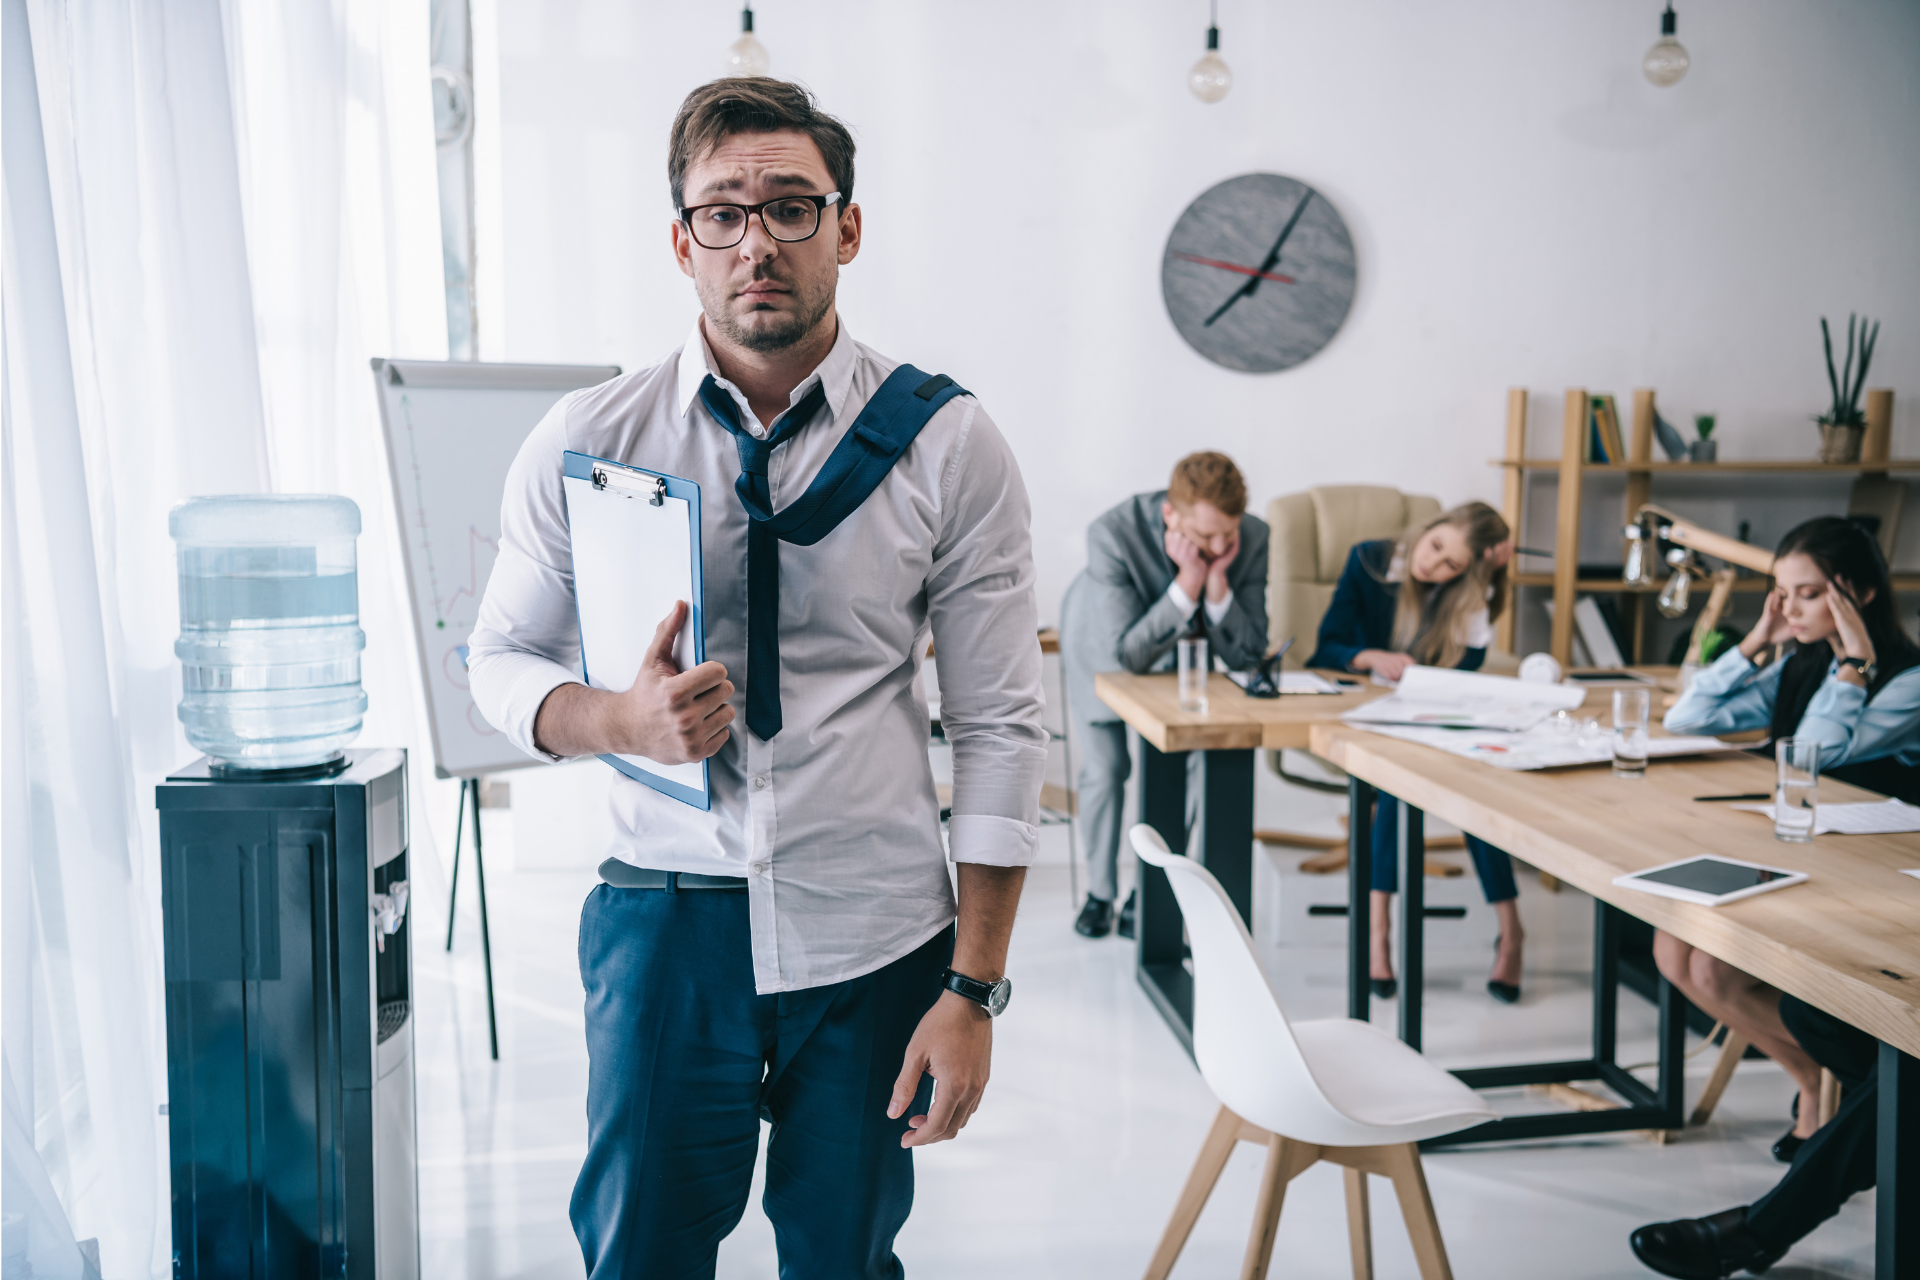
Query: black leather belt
column 624, row 875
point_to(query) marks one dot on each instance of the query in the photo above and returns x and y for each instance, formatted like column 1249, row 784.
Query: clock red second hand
column 1232, row 266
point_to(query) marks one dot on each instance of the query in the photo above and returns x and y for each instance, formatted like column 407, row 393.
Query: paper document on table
column 1869, row 818
column 1291, row 682
column 1441, row 699
column 1545, row 747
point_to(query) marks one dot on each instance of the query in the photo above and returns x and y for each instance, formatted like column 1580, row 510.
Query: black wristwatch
column 1867, row 670
column 991, row 996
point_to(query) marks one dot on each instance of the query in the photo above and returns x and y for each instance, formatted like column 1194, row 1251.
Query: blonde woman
column 1430, row 599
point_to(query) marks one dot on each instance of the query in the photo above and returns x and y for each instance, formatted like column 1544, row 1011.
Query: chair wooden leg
column 1416, row 1206
column 1829, row 1096
column 1213, row 1157
column 1359, row 1224
column 1730, row 1053
column 1286, row 1160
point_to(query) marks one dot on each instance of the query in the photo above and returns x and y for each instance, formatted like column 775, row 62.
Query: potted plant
column 1706, row 448
column 1843, row 425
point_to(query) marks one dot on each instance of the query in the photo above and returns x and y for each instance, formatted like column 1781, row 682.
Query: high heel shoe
column 1385, row 988
column 1790, row 1143
column 1504, row 992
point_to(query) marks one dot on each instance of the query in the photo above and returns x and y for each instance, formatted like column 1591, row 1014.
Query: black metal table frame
column 1660, row 1107
column 1225, row 840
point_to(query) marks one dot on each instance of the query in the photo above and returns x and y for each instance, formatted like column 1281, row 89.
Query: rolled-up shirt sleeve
column 1850, row 727
column 526, row 640
column 980, row 604
column 1730, row 696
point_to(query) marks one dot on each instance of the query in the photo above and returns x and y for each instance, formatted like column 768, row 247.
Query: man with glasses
column 797, row 952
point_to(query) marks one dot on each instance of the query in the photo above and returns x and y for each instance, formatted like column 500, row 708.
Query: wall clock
column 1258, row 273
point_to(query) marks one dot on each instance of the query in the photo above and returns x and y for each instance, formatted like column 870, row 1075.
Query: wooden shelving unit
column 1639, row 469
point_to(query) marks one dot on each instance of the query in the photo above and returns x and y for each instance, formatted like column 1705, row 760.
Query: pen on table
column 1745, row 795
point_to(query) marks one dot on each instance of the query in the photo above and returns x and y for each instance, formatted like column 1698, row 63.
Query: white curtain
column 215, row 215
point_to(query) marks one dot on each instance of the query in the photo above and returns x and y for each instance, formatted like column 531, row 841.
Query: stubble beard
column 788, row 331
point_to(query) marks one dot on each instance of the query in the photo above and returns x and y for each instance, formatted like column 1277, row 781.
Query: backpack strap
column 891, row 420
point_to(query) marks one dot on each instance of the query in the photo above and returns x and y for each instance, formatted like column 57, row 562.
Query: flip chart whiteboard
column 453, row 429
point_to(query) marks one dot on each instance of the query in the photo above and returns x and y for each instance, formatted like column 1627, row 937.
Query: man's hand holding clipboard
column 668, row 715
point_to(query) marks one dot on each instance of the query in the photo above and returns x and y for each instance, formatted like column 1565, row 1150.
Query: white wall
column 1527, row 210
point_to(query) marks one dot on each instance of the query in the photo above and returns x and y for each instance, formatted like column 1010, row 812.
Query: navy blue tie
column 763, row 546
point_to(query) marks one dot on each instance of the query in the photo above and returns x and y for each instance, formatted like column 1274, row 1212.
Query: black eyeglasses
column 788, row 219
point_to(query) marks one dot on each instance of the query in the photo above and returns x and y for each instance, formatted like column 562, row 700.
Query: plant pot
column 1703, row 451
column 1840, row 443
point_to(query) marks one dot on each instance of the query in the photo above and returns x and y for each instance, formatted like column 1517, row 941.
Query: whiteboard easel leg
column 459, row 822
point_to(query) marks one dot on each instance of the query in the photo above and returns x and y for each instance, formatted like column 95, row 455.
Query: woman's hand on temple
column 1772, row 628
column 1849, row 629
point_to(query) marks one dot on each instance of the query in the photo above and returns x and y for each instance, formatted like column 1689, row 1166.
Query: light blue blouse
column 1732, row 696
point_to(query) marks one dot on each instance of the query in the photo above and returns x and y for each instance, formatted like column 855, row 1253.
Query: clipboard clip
column 656, row 498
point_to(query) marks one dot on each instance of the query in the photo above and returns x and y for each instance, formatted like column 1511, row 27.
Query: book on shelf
column 1604, row 443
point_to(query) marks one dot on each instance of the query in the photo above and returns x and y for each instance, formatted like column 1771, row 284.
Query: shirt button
column 760, row 782
column 758, row 868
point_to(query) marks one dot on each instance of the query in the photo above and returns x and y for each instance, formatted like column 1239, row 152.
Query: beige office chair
column 1312, row 534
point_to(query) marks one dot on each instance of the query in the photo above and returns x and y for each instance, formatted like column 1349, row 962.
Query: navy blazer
column 1361, row 615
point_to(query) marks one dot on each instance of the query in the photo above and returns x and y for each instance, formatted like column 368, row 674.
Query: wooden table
column 1228, row 732
column 1846, row 941
column 1232, row 721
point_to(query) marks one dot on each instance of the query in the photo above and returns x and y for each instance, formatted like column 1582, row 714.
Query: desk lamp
column 1652, row 526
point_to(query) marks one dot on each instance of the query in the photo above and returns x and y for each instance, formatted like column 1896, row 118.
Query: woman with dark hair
column 1852, row 684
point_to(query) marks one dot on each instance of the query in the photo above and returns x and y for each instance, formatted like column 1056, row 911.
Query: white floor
column 1095, row 1113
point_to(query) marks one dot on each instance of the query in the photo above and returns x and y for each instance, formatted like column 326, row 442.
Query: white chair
column 1334, row 1089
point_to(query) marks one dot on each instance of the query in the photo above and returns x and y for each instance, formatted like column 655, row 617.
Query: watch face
column 1258, row 273
column 998, row 997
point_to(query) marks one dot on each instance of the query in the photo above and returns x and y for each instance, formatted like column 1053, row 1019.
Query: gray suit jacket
column 1116, row 615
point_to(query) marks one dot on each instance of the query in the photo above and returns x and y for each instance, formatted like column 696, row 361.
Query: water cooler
column 289, row 1038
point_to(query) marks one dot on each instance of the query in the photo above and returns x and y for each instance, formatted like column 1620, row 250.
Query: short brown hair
column 1210, row 478
column 720, row 109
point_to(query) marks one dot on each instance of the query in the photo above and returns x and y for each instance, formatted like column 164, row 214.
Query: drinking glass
column 1630, row 733
column 1193, row 675
column 1795, row 796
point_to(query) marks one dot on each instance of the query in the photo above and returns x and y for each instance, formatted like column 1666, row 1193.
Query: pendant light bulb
column 1210, row 78
column 1674, row 596
column 1667, row 61
column 747, row 56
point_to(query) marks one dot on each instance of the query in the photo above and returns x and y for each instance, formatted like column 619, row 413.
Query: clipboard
column 636, row 550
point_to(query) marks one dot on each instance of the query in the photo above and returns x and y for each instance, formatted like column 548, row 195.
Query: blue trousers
column 1494, row 866
column 684, row 1060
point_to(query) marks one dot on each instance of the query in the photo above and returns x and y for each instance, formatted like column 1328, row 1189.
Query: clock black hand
column 1273, row 256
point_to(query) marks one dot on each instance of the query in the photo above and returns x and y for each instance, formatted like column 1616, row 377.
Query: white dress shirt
column 835, row 822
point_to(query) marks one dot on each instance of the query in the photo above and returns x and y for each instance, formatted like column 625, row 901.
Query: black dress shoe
column 1096, row 918
column 1384, row 988
column 1787, row 1147
column 1709, row 1248
column 1126, row 918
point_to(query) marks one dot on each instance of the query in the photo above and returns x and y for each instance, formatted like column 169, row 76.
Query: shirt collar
column 835, row 374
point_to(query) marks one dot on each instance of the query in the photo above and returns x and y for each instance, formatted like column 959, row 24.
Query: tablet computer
column 1710, row 880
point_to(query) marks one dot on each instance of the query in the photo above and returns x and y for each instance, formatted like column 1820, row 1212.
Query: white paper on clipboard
column 635, row 549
